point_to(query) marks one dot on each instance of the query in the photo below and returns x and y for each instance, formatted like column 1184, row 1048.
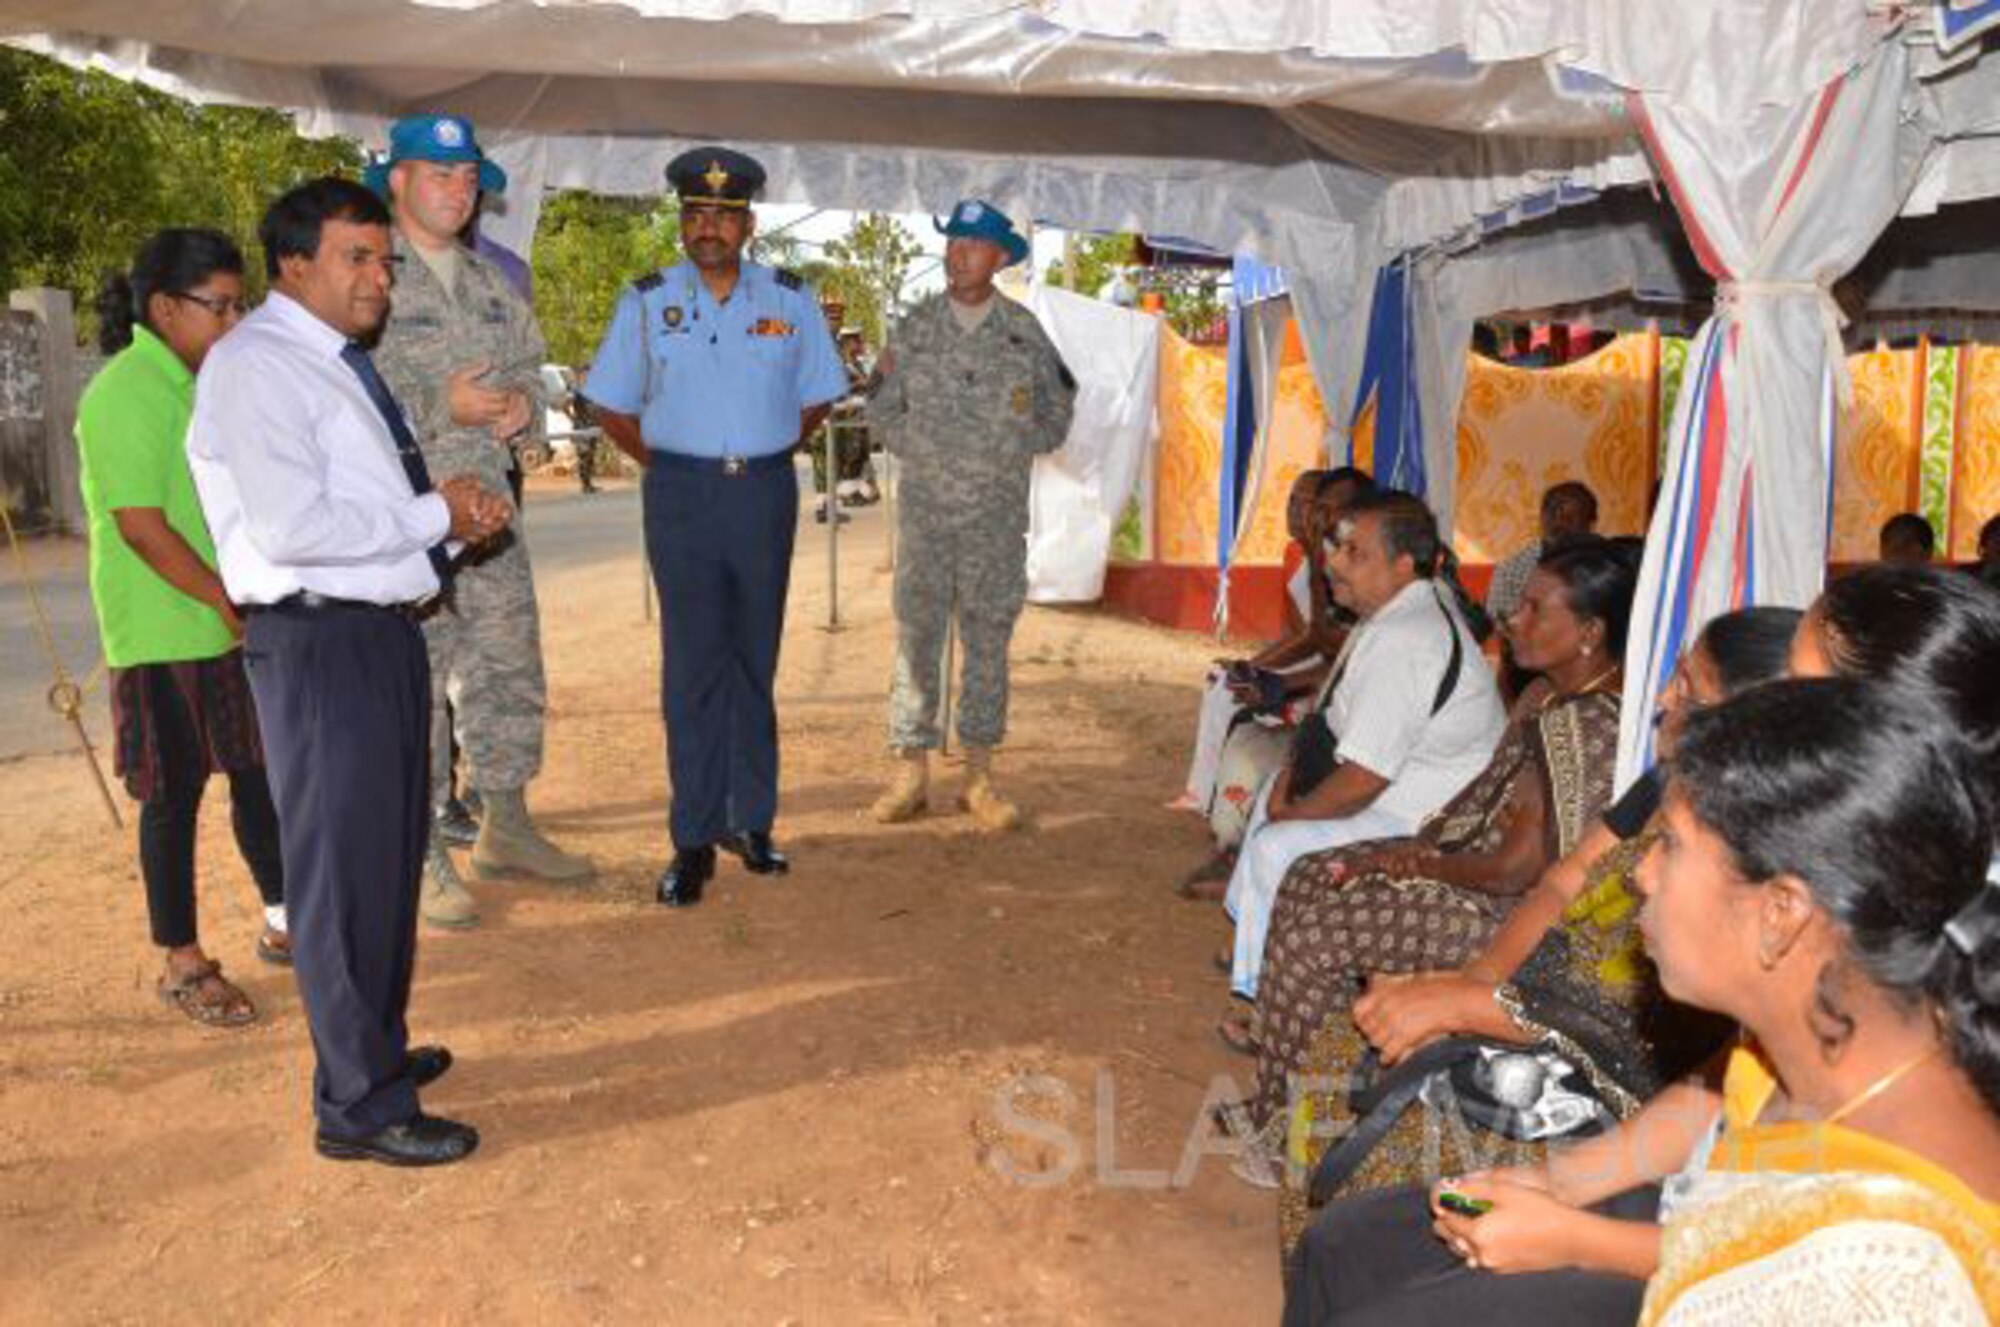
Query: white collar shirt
column 1381, row 705
column 298, row 472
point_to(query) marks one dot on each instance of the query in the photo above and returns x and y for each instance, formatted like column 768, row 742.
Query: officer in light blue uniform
column 711, row 373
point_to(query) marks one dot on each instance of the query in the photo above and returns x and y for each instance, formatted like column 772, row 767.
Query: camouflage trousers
column 982, row 575
column 486, row 658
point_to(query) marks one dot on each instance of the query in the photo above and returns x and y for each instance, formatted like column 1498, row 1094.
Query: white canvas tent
column 1325, row 136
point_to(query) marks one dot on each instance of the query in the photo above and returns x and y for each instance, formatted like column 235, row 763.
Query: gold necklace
column 1557, row 697
column 1880, row 1085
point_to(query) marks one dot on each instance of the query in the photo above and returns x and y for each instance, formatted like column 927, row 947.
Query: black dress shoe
column 426, row 1064
column 760, row 856
column 685, row 877
column 422, row 1140
column 455, row 825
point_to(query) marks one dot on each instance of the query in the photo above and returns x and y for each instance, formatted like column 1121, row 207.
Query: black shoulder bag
column 1315, row 750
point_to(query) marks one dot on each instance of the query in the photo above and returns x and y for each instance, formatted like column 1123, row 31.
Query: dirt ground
column 930, row 1077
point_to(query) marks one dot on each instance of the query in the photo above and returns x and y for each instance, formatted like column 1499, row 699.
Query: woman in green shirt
column 179, row 700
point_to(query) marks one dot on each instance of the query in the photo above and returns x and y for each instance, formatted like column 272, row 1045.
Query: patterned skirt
column 215, row 693
column 1330, row 932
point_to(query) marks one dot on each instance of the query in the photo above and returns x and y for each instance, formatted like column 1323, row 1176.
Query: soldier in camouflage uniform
column 972, row 391
column 463, row 356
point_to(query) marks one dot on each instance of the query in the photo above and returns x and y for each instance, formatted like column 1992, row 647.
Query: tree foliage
column 90, row 166
column 1098, row 259
column 1192, row 300
column 865, row 270
column 588, row 248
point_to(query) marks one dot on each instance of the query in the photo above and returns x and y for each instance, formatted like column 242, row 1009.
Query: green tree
column 1098, row 258
column 1193, row 307
column 588, row 248
column 865, row 269
column 90, row 166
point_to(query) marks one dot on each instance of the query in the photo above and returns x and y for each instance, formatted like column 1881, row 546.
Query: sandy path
column 796, row 1103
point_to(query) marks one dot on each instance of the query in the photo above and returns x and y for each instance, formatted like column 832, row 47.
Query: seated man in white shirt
column 333, row 541
column 1294, row 666
column 1412, row 710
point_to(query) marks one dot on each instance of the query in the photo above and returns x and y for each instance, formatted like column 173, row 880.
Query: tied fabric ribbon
column 406, row 444
column 1977, row 924
column 1733, row 294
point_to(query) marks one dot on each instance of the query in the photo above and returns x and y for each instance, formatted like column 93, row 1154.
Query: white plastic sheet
column 1079, row 492
column 1720, row 53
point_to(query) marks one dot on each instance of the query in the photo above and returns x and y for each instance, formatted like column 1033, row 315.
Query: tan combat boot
column 444, row 901
column 909, row 794
column 988, row 808
column 510, row 845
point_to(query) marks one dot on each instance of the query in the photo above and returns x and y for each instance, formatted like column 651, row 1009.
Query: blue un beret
column 974, row 219
column 446, row 138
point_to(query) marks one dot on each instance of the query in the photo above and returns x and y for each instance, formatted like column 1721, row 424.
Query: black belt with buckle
column 308, row 602
column 730, row 466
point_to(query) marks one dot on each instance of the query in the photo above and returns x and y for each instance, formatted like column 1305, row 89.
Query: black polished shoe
column 426, row 1064
column 422, row 1140
column 760, row 856
column 685, row 877
column 454, row 824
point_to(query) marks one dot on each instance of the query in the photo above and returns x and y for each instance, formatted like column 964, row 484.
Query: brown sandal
column 206, row 996
column 1236, row 1028
column 275, row 947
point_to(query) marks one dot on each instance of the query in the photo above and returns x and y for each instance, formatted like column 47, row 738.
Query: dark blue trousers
column 344, row 700
column 720, row 546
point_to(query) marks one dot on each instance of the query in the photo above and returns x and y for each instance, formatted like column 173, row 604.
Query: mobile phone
column 1462, row 1205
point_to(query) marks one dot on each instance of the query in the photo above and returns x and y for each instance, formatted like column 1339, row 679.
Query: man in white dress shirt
column 1413, row 710
column 331, row 538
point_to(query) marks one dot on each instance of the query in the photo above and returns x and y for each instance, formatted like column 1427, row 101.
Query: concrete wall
column 24, row 470
column 41, row 375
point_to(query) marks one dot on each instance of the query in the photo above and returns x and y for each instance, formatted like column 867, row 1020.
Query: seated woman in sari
column 1584, row 993
column 1821, row 879
column 1375, row 1257
column 1409, row 905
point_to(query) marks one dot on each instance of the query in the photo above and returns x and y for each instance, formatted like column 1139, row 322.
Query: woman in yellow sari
column 1820, row 878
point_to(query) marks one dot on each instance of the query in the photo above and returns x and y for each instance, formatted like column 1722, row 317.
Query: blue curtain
column 1389, row 383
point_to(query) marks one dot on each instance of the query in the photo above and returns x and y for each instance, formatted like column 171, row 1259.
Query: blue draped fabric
column 1389, row 383
column 1961, row 21
column 1239, row 436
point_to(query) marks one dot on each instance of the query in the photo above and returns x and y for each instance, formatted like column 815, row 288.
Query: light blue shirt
column 715, row 380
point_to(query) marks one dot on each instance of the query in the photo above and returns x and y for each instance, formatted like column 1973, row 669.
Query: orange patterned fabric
column 1875, row 454
column 1194, row 388
column 1291, row 445
column 1975, row 497
column 1522, row 430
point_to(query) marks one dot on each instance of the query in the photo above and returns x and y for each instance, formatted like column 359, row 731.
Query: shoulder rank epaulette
column 789, row 279
column 649, row 282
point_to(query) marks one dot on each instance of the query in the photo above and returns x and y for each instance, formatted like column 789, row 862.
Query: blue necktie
column 406, row 444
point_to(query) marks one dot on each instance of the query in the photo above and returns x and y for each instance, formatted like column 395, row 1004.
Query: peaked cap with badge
column 715, row 177
column 443, row 138
column 976, row 219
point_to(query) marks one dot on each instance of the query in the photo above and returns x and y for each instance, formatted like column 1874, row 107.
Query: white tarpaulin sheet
column 1324, row 136
column 1080, row 491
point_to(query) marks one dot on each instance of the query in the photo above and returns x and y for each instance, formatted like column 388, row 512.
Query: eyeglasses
column 215, row 304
